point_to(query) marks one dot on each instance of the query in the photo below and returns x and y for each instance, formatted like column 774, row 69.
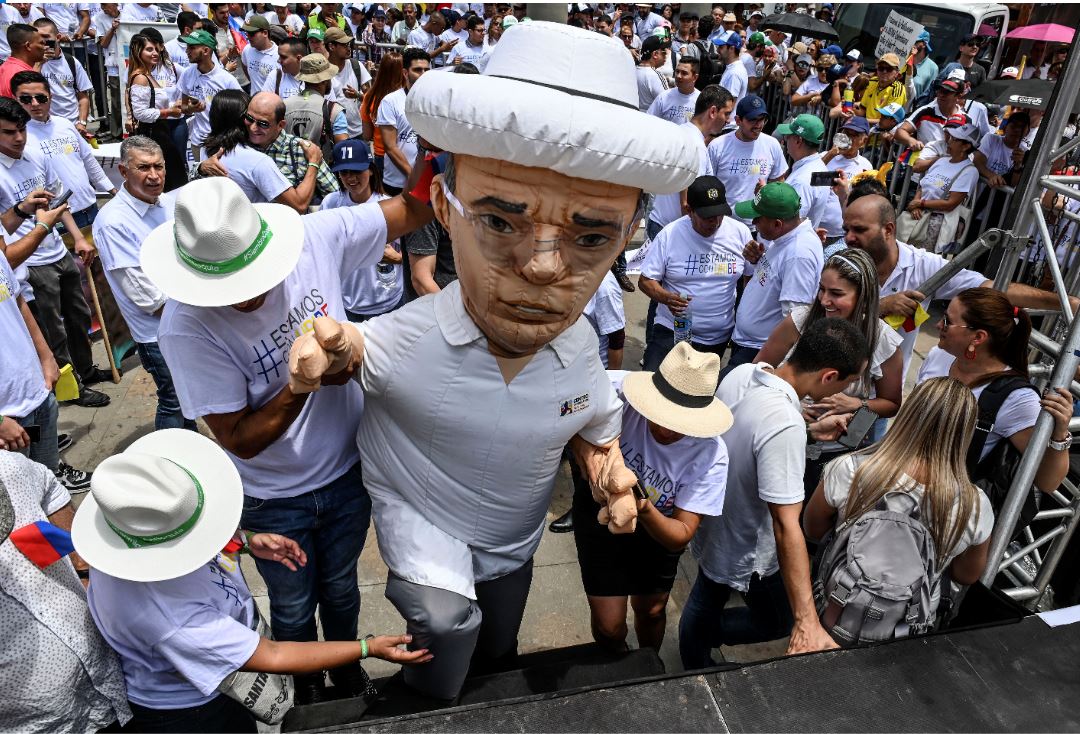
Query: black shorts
column 617, row 565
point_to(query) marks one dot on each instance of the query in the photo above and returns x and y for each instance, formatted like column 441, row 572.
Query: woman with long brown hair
column 152, row 107
column 389, row 78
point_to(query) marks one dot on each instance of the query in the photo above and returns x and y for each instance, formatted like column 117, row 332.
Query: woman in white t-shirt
column 848, row 290
column 253, row 171
column 945, row 186
column 920, row 462
column 982, row 337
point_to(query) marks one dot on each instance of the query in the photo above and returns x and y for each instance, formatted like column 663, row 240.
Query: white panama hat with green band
column 221, row 249
column 161, row 509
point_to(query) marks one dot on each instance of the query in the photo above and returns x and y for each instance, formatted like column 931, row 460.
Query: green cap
column 757, row 39
column 777, row 200
column 200, row 38
column 808, row 127
column 316, row 33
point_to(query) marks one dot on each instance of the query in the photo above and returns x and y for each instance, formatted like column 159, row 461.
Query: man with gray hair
column 123, row 223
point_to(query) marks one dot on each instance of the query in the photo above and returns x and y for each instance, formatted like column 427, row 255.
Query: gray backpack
column 876, row 576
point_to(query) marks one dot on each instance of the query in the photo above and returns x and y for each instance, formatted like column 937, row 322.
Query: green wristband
column 363, row 649
column 42, row 224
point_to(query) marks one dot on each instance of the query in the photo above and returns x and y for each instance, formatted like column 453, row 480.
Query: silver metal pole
column 989, row 239
column 1068, row 359
column 1051, row 261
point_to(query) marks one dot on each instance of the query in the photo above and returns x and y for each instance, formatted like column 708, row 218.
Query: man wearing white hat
column 244, row 281
column 472, row 394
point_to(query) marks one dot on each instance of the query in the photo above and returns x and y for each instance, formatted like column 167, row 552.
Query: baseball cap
column 334, row 34
column 805, row 59
column 835, row 50
column 653, row 43
column 954, row 86
column 731, row 38
column 853, row 55
column 925, row 38
column 751, row 107
column 379, row 13
column 707, row 197
column 200, row 38
column 776, row 200
column 255, row 23
column 960, row 126
column 316, row 33
column 1010, row 72
column 969, row 39
column 808, row 127
column 729, row 18
column 798, row 48
column 893, row 110
column 756, row 39
column 891, row 59
column 857, row 124
column 350, row 155
column 758, row 14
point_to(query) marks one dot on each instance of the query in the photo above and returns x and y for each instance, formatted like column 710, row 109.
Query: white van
column 859, row 25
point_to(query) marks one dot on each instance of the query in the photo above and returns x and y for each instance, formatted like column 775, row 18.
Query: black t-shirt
column 432, row 239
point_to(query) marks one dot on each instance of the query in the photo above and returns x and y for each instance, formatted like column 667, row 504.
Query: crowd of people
column 342, row 229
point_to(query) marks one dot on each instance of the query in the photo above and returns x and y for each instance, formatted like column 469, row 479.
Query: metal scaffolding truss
column 1022, row 568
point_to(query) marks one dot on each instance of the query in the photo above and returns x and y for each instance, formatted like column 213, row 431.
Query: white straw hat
column 680, row 396
column 554, row 96
column 161, row 509
column 221, row 249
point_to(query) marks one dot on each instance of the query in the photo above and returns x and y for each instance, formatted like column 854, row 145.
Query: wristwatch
column 1061, row 445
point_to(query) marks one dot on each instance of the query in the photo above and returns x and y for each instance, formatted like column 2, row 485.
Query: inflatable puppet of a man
column 471, row 394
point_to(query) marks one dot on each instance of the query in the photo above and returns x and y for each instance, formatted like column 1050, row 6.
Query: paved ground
column 557, row 613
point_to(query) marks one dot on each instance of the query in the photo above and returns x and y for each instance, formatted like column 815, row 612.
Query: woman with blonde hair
column 920, row 463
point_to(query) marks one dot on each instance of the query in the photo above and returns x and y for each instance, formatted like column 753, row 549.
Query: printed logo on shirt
column 223, row 582
column 23, row 188
column 763, row 271
column 711, row 263
column 753, row 166
column 64, row 145
column 660, row 488
column 574, row 405
column 272, row 358
column 6, row 287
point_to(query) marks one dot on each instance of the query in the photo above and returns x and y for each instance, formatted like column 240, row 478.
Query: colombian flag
column 42, row 542
column 911, row 322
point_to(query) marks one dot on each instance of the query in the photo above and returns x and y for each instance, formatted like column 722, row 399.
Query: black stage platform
column 1016, row 676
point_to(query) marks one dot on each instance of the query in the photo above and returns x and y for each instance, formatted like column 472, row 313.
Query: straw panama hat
column 221, row 249
column 680, row 396
column 576, row 113
column 174, row 495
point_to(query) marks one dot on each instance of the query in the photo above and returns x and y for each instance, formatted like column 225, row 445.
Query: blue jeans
column 330, row 524
column 85, row 217
column 662, row 340
column 739, row 355
column 44, row 450
column 168, row 405
column 706, row 624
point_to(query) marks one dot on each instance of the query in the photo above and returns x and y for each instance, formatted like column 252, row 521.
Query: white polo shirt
column 223, row 360
column 913, row 266
column 740, row 165
column 707, row 269
column 259, row 64
column 769, row 439
column 819, row 204
column 18, row 178
column 193, row 83
column 119, row 231
column 71, row 157
column 789, row 272
column 459, row 465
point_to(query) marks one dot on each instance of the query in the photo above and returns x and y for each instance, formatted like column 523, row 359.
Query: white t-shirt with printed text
column 740, row 165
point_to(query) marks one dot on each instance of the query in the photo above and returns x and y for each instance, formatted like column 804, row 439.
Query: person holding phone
column 848, row 291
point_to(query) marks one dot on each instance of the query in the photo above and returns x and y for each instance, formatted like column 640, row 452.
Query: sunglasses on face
column 28, row 98
column 263, row 124
column 883, row 67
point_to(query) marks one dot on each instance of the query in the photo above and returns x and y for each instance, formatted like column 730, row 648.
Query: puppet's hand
column 622, row 513
column 330, row 349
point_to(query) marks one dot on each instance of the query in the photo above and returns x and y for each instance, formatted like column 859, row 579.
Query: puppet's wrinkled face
column 531, row 246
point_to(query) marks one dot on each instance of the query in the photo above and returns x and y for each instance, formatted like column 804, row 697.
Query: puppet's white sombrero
column 554, row 96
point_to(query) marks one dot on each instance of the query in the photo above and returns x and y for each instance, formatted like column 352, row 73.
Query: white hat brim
column 542, row 127
column 708, row 422
column 180, row 283
column 223, row 501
